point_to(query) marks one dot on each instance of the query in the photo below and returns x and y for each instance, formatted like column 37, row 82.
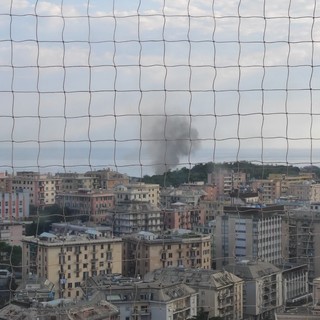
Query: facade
column 227, row 180
column 95, row 204
column 315, row 192
column 286, row 181
column 300, row 191
column 152, row 191
column 67, row 261
column 295, row 286
column 12, row 232
column 220, row 293
column 211, row 209
column 268, row 190
column 42, row 188
column 14, row 205
column 107, row 179
column 262, row 288
column 5, row 182
column 72, row 181
column 183, row 194
column 145, row 252
column 300, row 236
column 308, row 311
column 133, row 212
column 182, row 216
column 249, row 232
column 145, row 300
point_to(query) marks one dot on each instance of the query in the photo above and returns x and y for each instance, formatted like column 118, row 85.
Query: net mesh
column 144, row 86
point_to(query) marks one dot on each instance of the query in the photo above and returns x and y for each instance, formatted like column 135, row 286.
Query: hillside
column 200, row 171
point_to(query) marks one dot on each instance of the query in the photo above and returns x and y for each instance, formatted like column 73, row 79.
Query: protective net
column 147, row 86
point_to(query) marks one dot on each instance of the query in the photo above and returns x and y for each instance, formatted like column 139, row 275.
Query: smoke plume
column 168, row 140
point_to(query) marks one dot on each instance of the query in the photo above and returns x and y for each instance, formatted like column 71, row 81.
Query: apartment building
column 301, row 238
column 211, row 209
column 268, row 190
column 41, row 187
column 190, row 196
column 262, row 288
column 12, row 232
column 138, row 192
column 145, row 251
column 72, row 181
column 182, row 216
column 145, row 300
column 300, row 190
column 249, row 232
column 107, row 178
column 295, row 284
column 209, row 189
column 68, row 260
column 315, row 192
column 152, row 191
column 133, row 212
column 220, row 293
column 5, row 182
column 93, row 204
column 286, row 180
column 14, row 205
column 227, row 180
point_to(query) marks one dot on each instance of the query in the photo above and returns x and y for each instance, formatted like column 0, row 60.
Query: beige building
column 42, row 188
column 262, row 288
column 138, row 192
column 107, row 178
column 308, row 311
column 145, row 252
column 286, row 181
column 227, row 180
column 300, row 237
column 67, row 261
column 268, row 190
column 62, row 309
column 249, row 232
column 72, row 181
column 315, row 192
column 145, row 300
column 220, row 293
column 152, row 191
column 300, row 191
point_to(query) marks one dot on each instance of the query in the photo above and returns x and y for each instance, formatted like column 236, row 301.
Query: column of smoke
column 168, row 140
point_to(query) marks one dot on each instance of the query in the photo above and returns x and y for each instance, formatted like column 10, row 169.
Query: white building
column 249, row 232
column 262, row 292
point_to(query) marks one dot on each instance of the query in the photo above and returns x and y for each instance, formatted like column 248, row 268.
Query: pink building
column 182, row 216
column 14, row 205
column 12, row 232
column 86, row 202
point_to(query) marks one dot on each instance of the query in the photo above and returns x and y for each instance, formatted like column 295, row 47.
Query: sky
column 144, row 86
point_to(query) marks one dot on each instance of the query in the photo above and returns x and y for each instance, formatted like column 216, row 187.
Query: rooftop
column 194, row 277
column 252, row 269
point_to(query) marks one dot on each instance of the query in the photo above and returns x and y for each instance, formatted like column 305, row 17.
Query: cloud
column 233, row 77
